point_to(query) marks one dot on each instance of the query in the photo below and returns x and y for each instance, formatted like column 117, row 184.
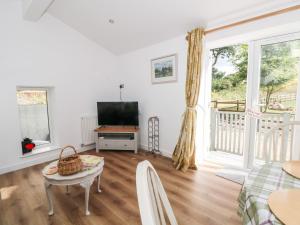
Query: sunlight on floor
column 6, row 192
column 209, row 167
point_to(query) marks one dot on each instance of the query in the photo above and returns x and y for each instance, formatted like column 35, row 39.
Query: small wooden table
column 292, row 168
column 85, row 179
column 285, row 204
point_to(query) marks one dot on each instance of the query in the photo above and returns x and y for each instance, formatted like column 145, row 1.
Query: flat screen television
column 118, row 113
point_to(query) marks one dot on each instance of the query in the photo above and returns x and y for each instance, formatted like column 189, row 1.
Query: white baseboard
column 53, row 155
column 41, row 158
column 163, row 151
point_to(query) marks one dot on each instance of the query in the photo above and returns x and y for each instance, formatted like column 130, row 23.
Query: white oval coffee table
column 85, row 179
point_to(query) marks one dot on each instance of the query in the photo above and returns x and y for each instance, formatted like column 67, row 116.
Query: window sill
column 40, row 151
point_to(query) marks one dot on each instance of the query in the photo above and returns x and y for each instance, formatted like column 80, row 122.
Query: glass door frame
column 252, row 93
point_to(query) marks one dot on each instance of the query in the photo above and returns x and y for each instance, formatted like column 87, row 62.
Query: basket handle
column 67, row 146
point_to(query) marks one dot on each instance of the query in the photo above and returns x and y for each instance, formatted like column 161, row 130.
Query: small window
column 34, row 116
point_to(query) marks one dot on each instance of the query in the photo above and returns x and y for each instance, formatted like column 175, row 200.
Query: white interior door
column 272, row 93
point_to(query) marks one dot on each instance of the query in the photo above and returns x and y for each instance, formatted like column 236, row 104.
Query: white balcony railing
column 228, row 131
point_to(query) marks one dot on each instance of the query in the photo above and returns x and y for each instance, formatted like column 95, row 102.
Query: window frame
column 50, row 122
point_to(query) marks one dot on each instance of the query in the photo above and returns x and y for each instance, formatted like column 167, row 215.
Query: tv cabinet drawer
column 117, row 144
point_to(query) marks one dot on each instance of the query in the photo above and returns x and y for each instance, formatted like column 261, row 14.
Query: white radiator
column 88, row 125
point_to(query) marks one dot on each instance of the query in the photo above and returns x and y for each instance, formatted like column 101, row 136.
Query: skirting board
column 163, row 151
column 53, row 155
column 41, row 158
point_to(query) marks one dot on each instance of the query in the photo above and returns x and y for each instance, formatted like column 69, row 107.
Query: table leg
column 49, row 197
column 98, row 187
column 87, row 197
column 97, row 143
column 87, row 186
column 67, row 190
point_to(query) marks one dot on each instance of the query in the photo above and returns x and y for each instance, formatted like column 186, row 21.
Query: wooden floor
column 197, row 197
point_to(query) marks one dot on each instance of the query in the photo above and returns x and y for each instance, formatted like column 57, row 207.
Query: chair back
column 153, row 201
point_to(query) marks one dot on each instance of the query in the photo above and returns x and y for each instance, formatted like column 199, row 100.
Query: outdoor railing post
column 285, row 136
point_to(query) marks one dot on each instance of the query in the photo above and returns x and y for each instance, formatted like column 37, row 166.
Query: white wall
column 163, row 100
column 48, row 53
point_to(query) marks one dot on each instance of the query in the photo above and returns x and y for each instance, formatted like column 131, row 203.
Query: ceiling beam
column 33, row 10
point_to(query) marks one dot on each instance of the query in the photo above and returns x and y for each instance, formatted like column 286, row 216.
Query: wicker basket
column 69, row 165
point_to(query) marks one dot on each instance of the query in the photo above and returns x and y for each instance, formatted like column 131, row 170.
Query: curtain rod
column 252, row 19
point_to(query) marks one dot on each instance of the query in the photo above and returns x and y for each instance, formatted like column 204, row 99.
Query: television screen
column 118, row 113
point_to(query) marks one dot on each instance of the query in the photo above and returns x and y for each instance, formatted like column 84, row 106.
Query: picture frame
column 164, row 69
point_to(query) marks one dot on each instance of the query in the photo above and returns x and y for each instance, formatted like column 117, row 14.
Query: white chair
column 278, row 142
column 152, row 198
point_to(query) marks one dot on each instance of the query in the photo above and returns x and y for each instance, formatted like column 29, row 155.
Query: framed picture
column 164, row 69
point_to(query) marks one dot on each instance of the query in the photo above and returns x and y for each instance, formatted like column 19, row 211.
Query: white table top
column 81, row 174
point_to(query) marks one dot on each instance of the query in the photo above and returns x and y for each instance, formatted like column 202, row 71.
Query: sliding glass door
column 272, row 98
column 254, row 87
column 228, row 101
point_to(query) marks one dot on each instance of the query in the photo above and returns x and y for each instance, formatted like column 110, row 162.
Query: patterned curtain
column 184, row 153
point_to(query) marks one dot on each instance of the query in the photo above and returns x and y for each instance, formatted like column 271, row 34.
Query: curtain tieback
column 191, row 108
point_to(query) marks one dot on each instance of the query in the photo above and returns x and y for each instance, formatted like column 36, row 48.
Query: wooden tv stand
column 117, row 138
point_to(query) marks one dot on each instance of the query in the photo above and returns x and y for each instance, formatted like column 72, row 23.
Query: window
column 229, row 76
column 34, row 116
column 228, row 98
column 279, row 72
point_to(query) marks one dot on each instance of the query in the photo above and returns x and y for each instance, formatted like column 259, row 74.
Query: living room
column 72, row 57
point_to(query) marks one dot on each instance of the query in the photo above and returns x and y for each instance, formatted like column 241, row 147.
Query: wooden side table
column 292, row 168
column 285, row 205
column 85, row 179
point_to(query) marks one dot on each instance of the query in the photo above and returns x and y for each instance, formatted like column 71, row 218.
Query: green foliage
column 277, row 64
column 278, row 67
column 240, row 62
column 232, row 94
column 216, row 74
column 221, row 84
column 238, row 56
column 222, row 53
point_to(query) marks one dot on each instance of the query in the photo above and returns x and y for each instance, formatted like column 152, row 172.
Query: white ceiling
column 139, row 23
